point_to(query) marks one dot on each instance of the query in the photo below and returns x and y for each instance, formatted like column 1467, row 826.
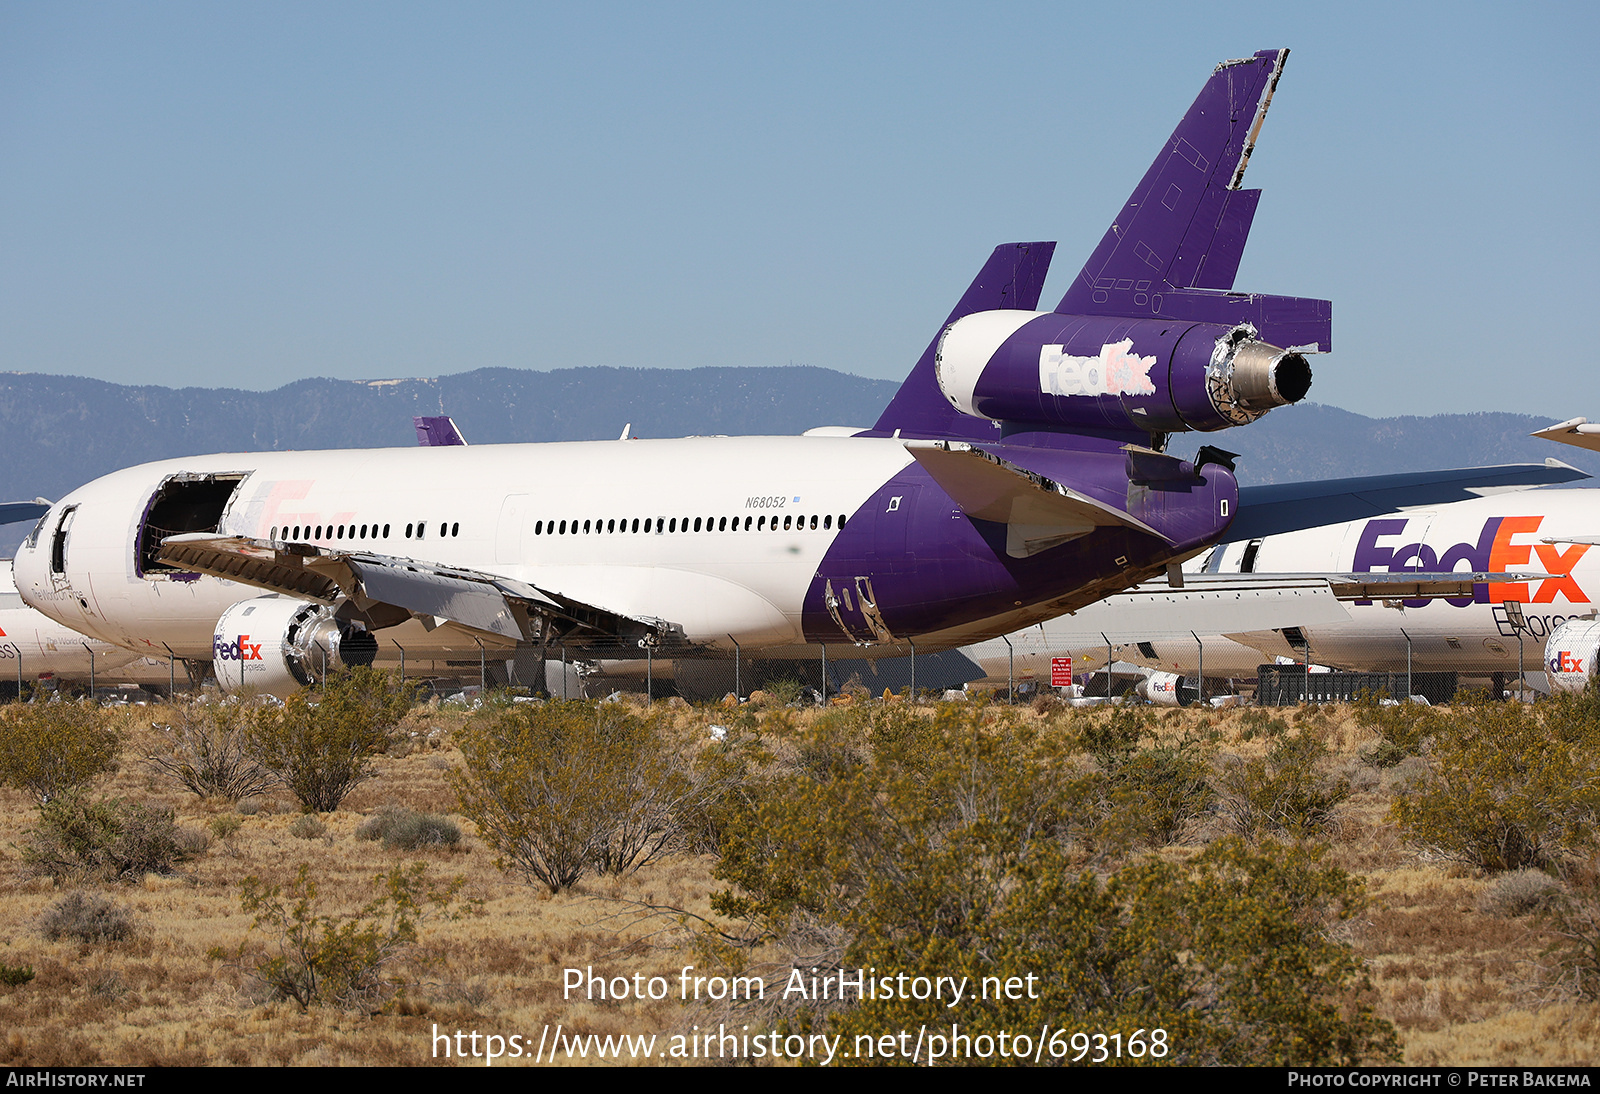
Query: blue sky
column 242, row 195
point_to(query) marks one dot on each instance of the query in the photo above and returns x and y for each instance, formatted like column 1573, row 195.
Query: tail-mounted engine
column 278, row 645
column 1109, row 372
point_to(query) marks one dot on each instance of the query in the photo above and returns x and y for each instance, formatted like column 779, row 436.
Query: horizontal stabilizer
column 1293, row 506
column 1039, row 513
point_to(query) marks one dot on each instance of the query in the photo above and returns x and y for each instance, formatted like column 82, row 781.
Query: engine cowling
column 1108, row 372
column 1165, row 689
column 278, row 645
column 1569, row 654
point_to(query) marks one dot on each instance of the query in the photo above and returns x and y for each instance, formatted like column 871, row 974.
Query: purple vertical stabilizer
column 437, row 431
column 1013, row 278
column 1175, row 247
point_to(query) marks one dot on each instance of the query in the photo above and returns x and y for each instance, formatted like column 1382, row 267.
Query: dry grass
column 1461, row 985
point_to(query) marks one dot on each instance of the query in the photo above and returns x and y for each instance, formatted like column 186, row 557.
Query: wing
column 384, row 591
column 1577, row 432
column 1291, row 506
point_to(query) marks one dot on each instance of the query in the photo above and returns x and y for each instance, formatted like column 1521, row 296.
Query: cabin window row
column 414, row 530
column 670, row 525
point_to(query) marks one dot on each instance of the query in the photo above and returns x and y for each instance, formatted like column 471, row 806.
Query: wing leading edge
column 384, row 591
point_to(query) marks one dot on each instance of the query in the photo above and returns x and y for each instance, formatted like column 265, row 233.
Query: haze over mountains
column 60, row 431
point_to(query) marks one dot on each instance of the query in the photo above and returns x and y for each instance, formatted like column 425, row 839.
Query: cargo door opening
column 183, row 503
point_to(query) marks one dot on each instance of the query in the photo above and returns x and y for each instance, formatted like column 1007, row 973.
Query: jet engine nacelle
column 1569, row 654
column 1165, row 689
column 278, row 645
column 1107, row 372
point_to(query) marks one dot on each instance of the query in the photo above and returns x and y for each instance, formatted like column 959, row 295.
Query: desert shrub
column 1502, row 792
column 936, row 810
column 307, row 826
column 226, row 826
column 564, row 788
column 403, row 829
column 1228, row 956
column 1282, row 792
column 1401, row 729
column 348, row 961
column 49, row 748
column 115, row 838
column 945, row 852
column 321, row 742
column 784, row 691
column 86, row 917
column 1151, row 797
column 14, row 976
column 1521, row 892
column 1257, row 722
column 208, row 750
column 1111, row 733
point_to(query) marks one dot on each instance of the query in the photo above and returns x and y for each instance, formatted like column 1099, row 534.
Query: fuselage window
column 455, row 529
column 422, row 529
column 696, row 523
column 841, row 520
column 827, row 522
column 563, row 528
column 813, row 522
column 385, row 531
column 635, row 524
column 722, row 524
column 318, row 531
column 611, row 526
column 672, row 525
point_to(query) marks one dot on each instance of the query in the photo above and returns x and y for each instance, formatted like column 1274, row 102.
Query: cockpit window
column 33, row 537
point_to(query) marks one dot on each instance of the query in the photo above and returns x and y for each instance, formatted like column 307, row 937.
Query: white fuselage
column 490, row 509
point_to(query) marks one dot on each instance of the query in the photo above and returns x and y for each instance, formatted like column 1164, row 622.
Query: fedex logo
column 1496, row 551
column 1565, row 662
column 240, row 649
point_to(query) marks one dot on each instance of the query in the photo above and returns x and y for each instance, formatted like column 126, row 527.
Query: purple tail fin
column 1012, row 278
column 1173, row 251
column 436, row 431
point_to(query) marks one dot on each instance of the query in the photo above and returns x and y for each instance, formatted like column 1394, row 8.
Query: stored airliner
column 1018, row 473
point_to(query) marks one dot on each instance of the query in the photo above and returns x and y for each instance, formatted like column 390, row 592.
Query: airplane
column 1018, row 473
column 1493, row 628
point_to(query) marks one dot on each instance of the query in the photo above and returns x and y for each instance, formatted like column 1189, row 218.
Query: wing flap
column 1401, row 585
column 387, row 590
